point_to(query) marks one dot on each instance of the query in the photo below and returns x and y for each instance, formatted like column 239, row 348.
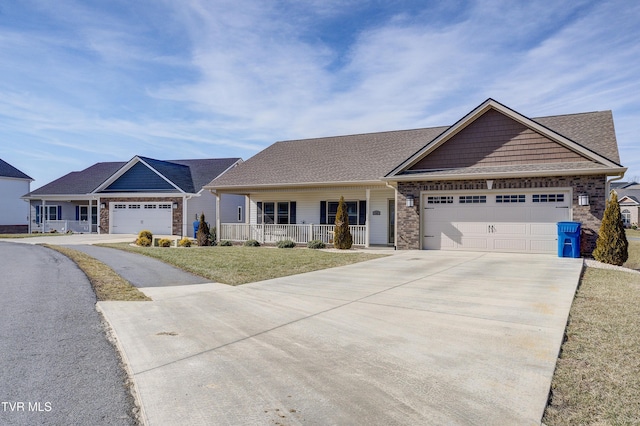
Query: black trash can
column 569, row 239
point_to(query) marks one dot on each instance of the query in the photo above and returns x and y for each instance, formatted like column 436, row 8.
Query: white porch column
column 43, row 217
column 185, row 220
column 218, row 229
column 368, row 219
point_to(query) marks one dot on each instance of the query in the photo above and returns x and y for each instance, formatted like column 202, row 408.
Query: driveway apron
column 427, row 337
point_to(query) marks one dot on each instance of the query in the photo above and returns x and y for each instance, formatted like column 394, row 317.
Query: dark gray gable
column 7, row 170
column 140, row 178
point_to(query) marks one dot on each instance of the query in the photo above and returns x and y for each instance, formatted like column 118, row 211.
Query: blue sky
column 89, row 81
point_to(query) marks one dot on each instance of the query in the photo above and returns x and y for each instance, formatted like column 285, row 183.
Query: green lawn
column 598, row 372
column 240, row 265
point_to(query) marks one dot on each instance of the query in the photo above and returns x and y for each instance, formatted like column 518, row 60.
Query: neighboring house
column 14, row 212
column 629, row 200
column 495, row 180
column 164, row 197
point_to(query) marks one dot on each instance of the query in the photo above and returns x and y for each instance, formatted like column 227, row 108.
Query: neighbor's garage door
column 131, row 218
column 507, row 222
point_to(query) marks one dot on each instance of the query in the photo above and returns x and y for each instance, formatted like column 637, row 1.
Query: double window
column 50, row 213
column 626, row 217
column 276, row 212
column 356, row 210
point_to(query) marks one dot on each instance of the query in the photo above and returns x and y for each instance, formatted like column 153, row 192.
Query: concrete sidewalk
column 416, row 338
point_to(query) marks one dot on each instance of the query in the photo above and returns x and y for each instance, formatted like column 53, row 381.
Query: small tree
column 612, row 245
column 342, row 235
column 203, row 232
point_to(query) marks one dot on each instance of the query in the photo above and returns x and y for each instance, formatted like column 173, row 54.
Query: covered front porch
column 306, row 214
column 64, row 216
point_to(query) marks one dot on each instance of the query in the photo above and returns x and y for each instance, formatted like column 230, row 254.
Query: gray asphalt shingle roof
column 368, row 157
column 7, row 170
column 189, row 175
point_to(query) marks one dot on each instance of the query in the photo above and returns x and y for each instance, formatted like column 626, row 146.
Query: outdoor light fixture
column 103, row 206
column 489, row 184
column 583, row 200
column 409, row 200
column 175, row 205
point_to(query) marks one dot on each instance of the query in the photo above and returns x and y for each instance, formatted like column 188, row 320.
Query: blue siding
column 140, row 178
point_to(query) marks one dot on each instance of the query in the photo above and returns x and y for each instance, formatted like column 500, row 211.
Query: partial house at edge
column 14, row 212
column 629, row 200
column 496, row 180
column 164, row 197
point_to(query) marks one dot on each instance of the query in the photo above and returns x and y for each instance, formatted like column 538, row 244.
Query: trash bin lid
column 569, row 226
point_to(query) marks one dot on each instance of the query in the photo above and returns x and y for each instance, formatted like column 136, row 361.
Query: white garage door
column 508, row 222
column 131, row 218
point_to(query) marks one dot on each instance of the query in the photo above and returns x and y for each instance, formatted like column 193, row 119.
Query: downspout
column 608, row 188
column 367, row 235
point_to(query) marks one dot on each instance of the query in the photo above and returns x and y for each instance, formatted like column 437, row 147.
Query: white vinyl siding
column 308, row 206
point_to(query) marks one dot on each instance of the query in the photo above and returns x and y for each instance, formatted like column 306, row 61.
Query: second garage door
column 508, row 222
column 131, row 218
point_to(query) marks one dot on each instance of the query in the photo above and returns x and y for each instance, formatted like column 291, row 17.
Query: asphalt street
column 56, row 364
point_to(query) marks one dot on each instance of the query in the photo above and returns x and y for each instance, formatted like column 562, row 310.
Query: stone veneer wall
column 176, row 219
column 590, row 216
column 14, row 229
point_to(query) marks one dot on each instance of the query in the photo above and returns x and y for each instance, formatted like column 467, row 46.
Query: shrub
column 612, row 245
column 184, row 242
column 143, row 242
column 342, row 235
column 212, row 236
column 144, row 238
column 203, row 236
column 164, row 242
column 316, row 244
column 225, row 243
column 285, row 244
column 251, row 243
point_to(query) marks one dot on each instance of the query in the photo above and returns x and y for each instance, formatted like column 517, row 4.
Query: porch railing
column 63, row 226
column 300, row 234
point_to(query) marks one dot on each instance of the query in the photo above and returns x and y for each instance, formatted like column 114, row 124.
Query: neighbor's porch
column 68, row 216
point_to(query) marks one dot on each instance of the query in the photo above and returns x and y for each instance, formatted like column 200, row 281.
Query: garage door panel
column 510, row 244
column 467, row 228
column 473, row 243
column 544, row 246
column 546, row 229
column 515, row 229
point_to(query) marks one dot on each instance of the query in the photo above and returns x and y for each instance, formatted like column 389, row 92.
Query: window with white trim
column 626, row 217
column 275, row 212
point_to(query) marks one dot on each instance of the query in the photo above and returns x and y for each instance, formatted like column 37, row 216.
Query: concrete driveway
column 415, row 338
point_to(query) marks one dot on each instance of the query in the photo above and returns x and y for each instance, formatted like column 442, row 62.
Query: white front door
column 513, row 221
column 131, row 218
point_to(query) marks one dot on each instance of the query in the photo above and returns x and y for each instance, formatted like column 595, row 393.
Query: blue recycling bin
column 196, row 225
column 569, row 239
